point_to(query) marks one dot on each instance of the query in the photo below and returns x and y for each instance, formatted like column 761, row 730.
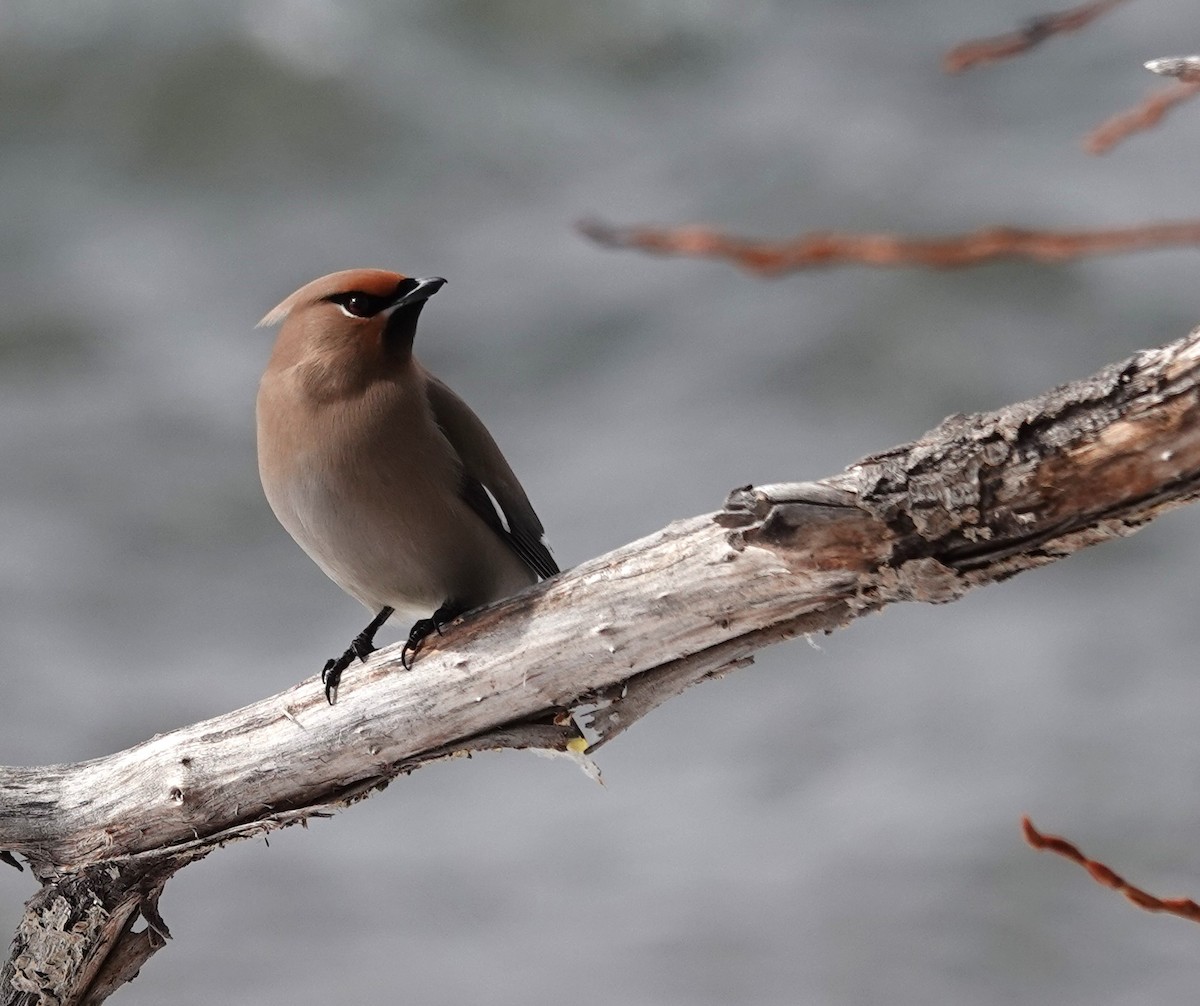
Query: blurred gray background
column 835, row 825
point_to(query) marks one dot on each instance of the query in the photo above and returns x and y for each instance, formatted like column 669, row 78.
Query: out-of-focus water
column 835, row 825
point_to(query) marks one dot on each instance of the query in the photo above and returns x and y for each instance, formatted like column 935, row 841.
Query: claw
column 416, row 639
column 423, row 627
column 331, row 674
column 361, row 646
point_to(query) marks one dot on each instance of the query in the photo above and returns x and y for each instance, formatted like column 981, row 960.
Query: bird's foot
column 416, row 639
column 361, row 647
column 425, row 627
column 331, row 673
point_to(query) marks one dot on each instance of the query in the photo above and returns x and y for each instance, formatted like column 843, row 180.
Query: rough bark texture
column 974, row 501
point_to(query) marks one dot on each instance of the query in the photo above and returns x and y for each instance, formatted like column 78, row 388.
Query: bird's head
column 364, row 314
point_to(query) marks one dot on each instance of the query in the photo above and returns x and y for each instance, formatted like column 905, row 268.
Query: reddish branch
column 828, row 248
column 1145, row 116
column 1185, row 908
column 1035, row 30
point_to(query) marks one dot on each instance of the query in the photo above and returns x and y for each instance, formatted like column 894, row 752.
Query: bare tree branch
column 1184, row 908
column 1145, row 116
column 830, row 248
column 1185, row 68
column 1036, row 30
column 974, row 501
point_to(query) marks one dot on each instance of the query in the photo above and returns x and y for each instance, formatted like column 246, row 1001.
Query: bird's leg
column 448, row 612
column 361, row 646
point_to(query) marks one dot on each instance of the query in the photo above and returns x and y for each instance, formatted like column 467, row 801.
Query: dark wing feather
column 532, row 551
column 486, row 472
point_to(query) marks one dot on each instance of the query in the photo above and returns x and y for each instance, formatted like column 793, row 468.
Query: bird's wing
column 489, row 486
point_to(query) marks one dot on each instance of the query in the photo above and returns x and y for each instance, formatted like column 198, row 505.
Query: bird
column 381, row 473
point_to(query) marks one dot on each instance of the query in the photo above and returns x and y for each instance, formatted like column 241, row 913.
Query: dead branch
column 1147, row 115
column 974, row 501
column 1185, row 68
column 830, row 248
column 1036, row 30
column 1184, row 908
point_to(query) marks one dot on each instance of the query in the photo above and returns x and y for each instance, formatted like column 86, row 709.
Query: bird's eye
column 357, row 304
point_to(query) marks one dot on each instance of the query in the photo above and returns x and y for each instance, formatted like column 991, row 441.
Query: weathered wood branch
column 974, row 501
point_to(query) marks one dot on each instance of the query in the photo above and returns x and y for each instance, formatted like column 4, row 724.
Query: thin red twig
column 1037, row 29
column 1145, row 116
column 1184, row 908
column 829, row 248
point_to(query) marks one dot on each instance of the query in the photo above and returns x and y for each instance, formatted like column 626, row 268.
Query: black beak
column 402, row 316
column 414, row 291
